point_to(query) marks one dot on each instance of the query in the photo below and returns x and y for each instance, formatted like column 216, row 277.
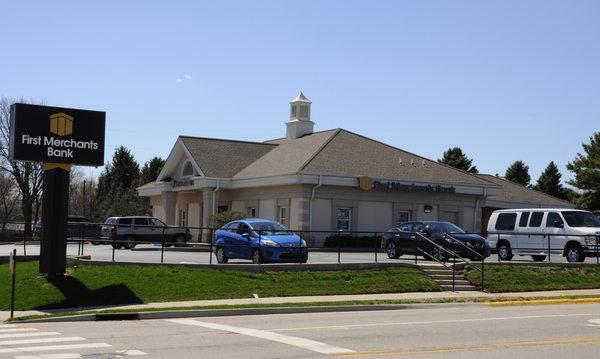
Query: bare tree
column 82, row 192
column 9, row 196
column 27, row 175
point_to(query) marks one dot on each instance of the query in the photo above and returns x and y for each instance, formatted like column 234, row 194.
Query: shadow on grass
column 78, row 295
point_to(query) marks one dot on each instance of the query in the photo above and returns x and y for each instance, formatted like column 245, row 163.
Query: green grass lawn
column 524, row 278
column 89, row 285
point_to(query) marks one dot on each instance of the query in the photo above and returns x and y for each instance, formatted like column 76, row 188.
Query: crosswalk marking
column 130, row 353
column 54, row 347
column 50, row 356
column 41, row 340
column 24, row 335
column 266, row 335
column 17, row 330
column 2, row 326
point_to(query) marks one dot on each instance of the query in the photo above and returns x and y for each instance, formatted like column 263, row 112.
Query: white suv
column 537, row 231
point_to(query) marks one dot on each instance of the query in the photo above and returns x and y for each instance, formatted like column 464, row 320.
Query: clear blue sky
column 504, row 80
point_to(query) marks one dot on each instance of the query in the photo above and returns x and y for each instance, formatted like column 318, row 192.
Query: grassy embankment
column 90, row 285
column 525, row 278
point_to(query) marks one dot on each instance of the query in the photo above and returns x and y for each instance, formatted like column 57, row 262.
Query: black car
column 418, row 238
column 77, row 227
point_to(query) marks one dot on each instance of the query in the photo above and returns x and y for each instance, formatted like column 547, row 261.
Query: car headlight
column 269, row 243
column 590, row 240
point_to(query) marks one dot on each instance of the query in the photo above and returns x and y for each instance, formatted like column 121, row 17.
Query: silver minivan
column 536, row 232
column 126, row 232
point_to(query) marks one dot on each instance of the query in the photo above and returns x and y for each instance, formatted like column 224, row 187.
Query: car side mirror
column 559, row 224
column 426, row 232
column 246, row 236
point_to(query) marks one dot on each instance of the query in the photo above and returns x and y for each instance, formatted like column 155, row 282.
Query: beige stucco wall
column 238, row 206
column 266, row 209
column 374, row 216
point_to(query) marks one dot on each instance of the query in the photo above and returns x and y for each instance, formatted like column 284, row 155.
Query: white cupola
column 299, row 123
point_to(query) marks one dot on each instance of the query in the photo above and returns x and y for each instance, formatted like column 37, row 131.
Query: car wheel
column 392, row 250
column 221, row 257
column 256, row 257
column 439, row 254
column 538, row 258
column 116, row 245
column 574, row 254
column 129, row 242
column 504, row 251
column 179, row 240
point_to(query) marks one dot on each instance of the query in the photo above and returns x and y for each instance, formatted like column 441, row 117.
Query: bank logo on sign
column 365, row 183
column 61, row 124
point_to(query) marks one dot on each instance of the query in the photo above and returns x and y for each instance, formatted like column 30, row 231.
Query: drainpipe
column 312, row 199
column 475, row 212
column 214, row 204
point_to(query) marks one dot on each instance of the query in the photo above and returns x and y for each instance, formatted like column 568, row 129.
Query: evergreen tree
column 151, row 169
column 586, row 167
column 455, row 157
column 116, row 193
column 518, row 172
column 549, row 182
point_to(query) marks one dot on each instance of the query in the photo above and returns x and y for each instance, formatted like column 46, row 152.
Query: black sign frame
column 57, row 135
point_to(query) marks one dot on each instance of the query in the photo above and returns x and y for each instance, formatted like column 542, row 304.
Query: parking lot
column 148, row 253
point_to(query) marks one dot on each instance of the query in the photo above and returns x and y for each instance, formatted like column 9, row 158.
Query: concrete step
column 456, row 282
column 448, row 288
column 431, row 272
column 442, row 276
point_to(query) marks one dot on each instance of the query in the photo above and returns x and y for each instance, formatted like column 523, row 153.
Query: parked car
column 407, row 238
column 77, row 227
column 568, row 232
column 125, row 232
column 260, row 240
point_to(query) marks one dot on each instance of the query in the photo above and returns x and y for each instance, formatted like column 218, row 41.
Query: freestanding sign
column 58, row 137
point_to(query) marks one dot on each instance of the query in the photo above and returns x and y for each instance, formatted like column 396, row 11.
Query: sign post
column 12, row 268
column 58, row 137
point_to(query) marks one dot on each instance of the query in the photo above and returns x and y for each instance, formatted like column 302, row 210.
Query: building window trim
column 343, row 219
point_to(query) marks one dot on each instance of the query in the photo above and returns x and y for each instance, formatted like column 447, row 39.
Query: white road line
column 16, row 330
column 51, row 356
column 261, row 334
column 23, row 335
column 41, row 340
column 130, row 353
column 54, row 347
column 594, row 323
column 2, row 326
column 450, row 321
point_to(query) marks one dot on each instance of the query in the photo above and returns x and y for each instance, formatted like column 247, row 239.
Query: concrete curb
column 510, row 303
column 194, row 313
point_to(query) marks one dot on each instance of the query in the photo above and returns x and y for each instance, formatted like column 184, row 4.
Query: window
column 140, row 221
column 188, row 169
column 403, row 216
column 232, row 227
column 523, row 220
column 406, row 227
column 304, row 111
column 244, row 228
column 182, row 218
column 283, row 215
column 536, row 219
column 553, row 217
column 343, row 219
column 156, row 222
column 293, row 111
column 252, row 212
column 418, row 227
column 223, row 208
column 506, row 221
column 124, row 221
column 581, row 219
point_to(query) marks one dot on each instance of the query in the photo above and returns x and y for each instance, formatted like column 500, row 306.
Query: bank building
column 327, row 181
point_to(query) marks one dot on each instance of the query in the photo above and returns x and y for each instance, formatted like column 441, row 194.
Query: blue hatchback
column 260, row 240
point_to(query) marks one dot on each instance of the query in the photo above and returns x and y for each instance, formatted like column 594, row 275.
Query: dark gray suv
column 126, row 232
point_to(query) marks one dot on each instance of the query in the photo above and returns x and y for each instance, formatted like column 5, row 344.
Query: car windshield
column 444, row 227
column 269, row 228
column 581, row 219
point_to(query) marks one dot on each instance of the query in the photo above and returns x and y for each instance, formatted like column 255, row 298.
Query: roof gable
column 515, row 193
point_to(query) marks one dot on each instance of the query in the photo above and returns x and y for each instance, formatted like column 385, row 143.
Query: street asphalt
column 148, row 253
column 445, row 331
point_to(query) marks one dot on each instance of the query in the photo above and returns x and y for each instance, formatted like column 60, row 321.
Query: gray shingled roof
column 351, row 154
column 515, row 193
column 224, row 158
column 288, row 157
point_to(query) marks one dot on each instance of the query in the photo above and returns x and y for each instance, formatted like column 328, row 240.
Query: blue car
column 260, row 240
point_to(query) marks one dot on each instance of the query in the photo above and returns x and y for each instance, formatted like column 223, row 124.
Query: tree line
column 585, row 191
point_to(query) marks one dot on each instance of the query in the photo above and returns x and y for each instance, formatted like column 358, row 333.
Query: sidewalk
column 423, row 296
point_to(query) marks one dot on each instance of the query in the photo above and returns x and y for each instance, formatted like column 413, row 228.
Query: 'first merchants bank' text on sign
column 57, row 135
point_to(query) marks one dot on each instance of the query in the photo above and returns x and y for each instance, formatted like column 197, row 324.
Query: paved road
column 459, row 331
column 104, row 253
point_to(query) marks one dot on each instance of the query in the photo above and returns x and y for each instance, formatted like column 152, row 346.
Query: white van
column 573, row 233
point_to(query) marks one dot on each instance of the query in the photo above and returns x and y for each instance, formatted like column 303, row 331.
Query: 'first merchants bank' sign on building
column 57, row 135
